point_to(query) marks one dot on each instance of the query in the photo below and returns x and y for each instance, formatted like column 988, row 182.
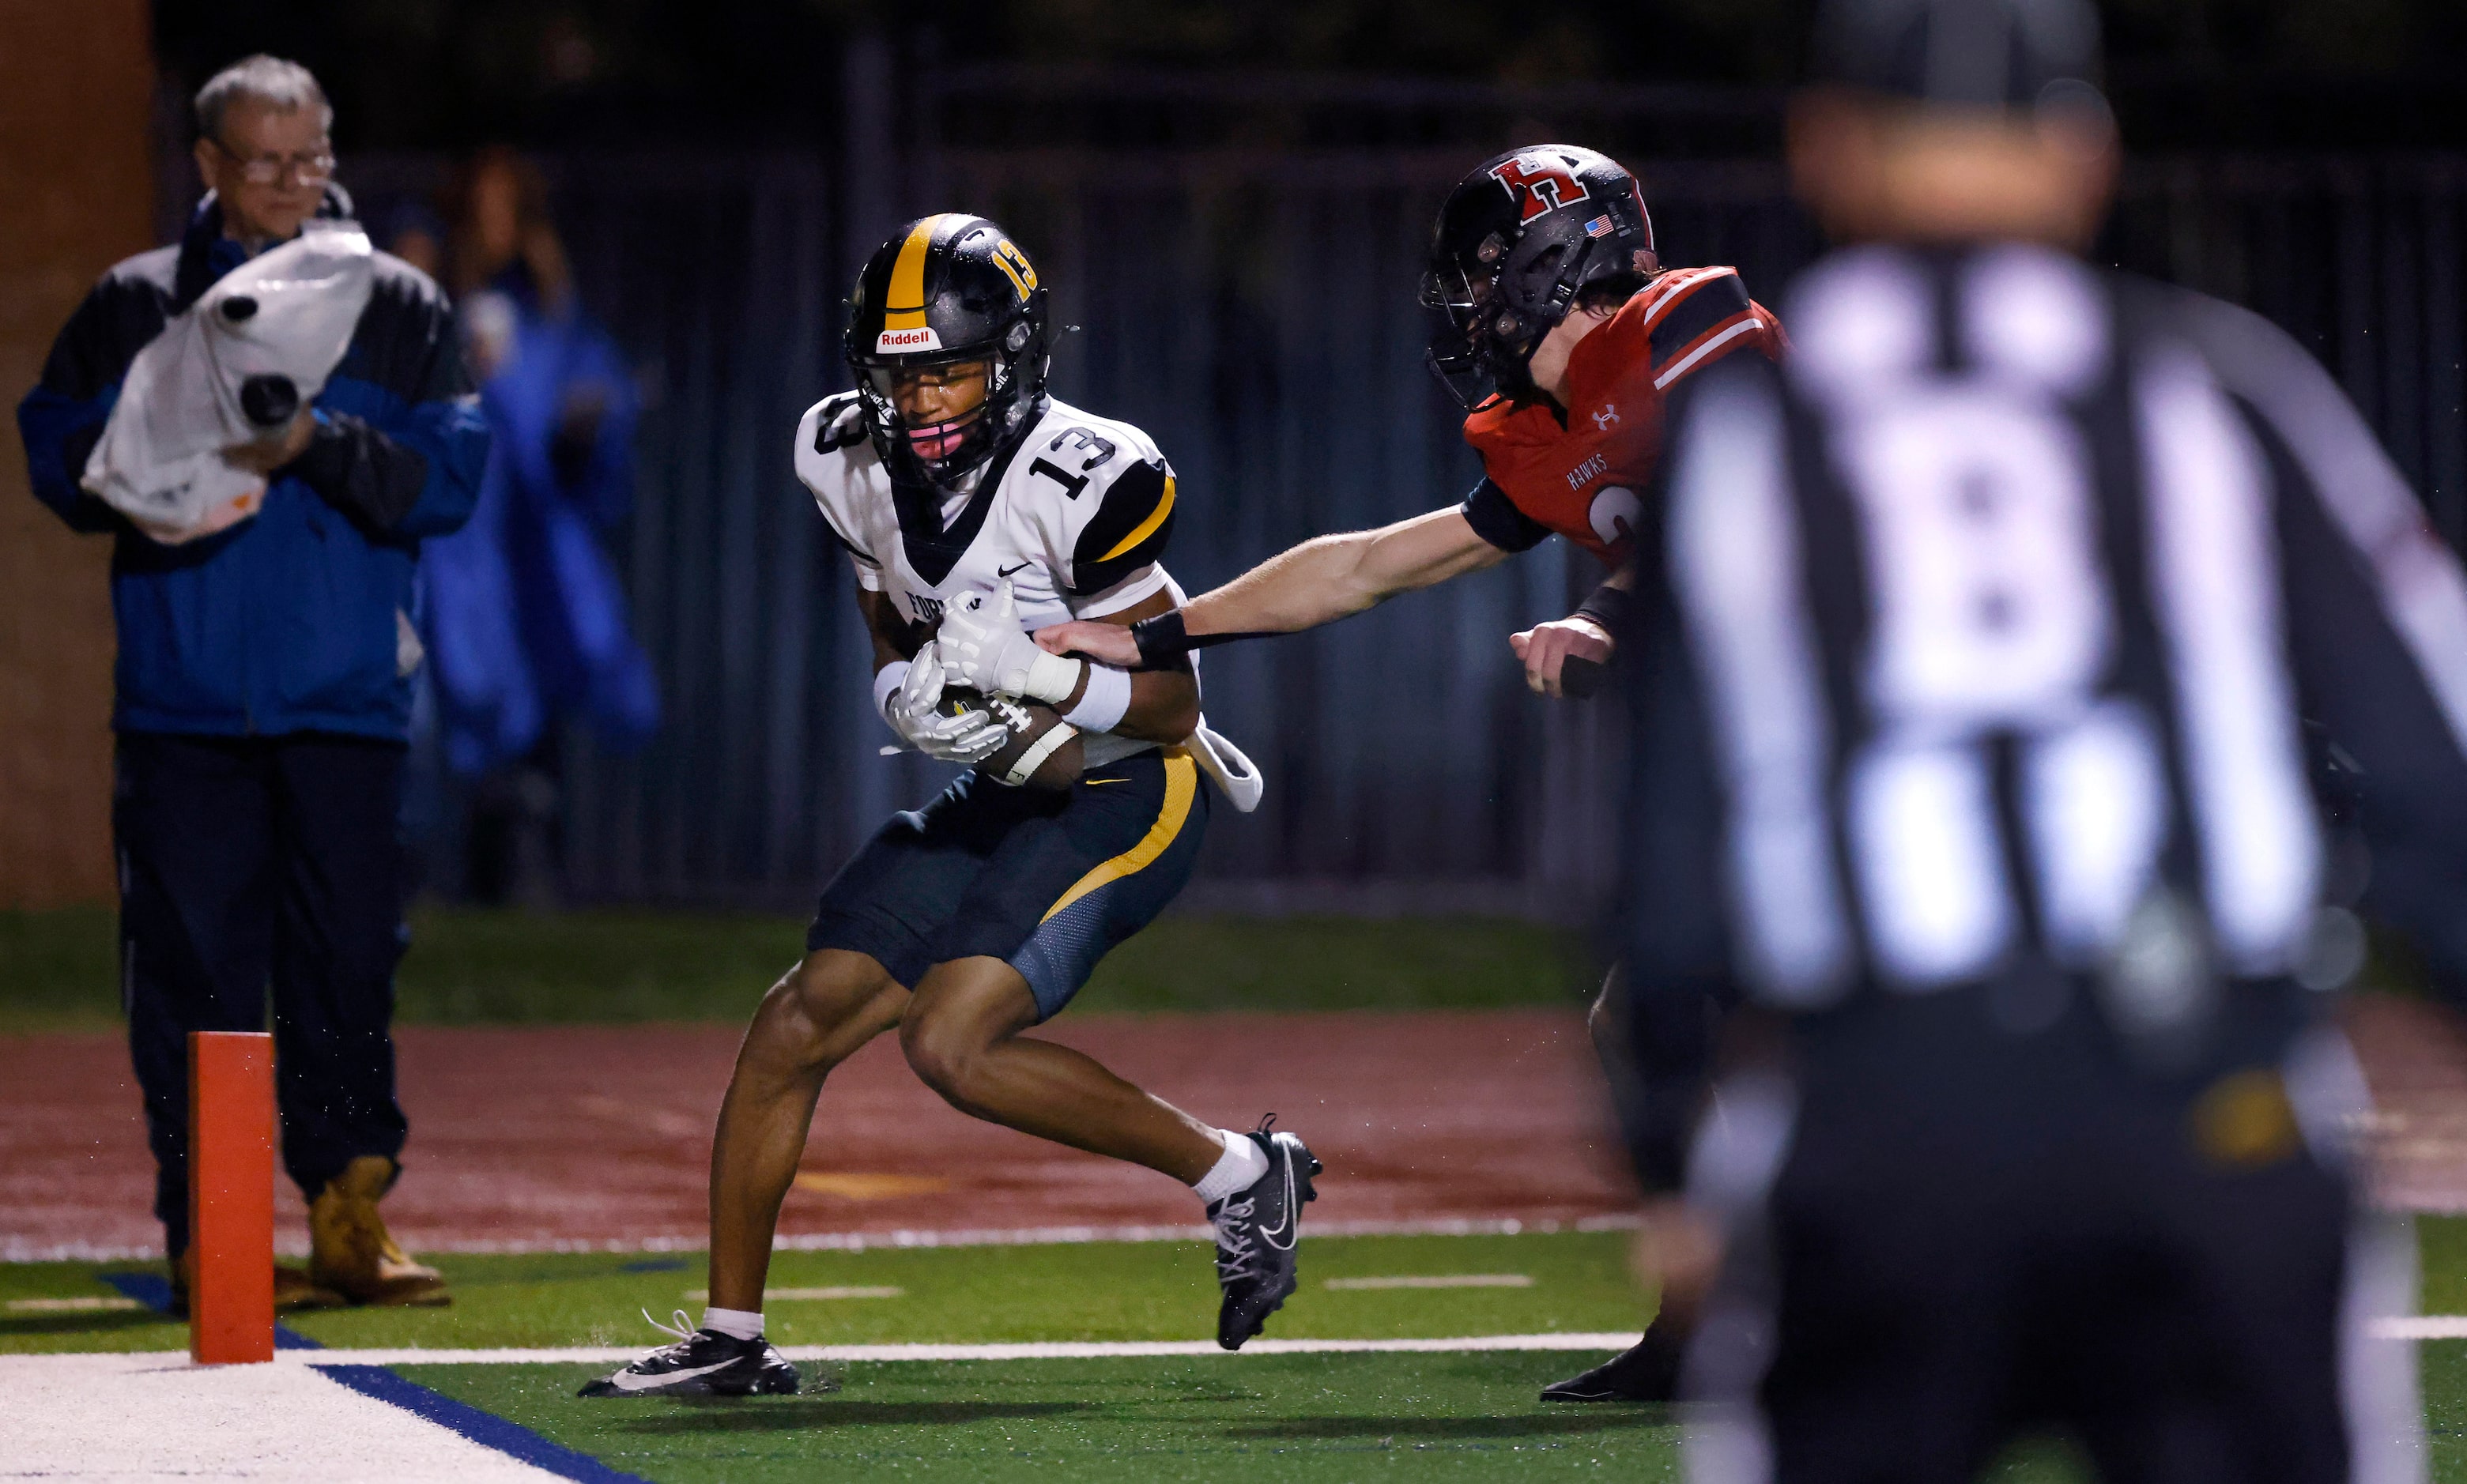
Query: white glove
column 983, row 645
column 970, row 737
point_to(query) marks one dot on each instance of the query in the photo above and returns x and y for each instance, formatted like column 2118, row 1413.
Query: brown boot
column 349, row 1250
column 293, row 1290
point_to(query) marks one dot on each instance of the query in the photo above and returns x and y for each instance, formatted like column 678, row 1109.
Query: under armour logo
column 1537, row 183
column 1608, row 417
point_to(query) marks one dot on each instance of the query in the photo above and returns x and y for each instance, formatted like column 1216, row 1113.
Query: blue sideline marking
column 486, row 1428
column 154, row 1292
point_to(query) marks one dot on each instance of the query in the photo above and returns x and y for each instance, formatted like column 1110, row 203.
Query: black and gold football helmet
column 946, row 290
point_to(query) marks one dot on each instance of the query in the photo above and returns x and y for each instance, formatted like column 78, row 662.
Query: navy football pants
column 250, row 861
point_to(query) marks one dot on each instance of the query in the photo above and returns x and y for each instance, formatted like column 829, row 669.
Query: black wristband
column 1163, row 639
column 1608, row 606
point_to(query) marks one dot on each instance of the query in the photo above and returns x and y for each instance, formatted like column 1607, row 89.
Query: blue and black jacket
column 298, row 619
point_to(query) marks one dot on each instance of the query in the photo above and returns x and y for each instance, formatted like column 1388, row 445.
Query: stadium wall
column 76, row 95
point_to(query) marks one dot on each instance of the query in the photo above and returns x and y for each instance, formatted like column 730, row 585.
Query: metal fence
column 1252, row 309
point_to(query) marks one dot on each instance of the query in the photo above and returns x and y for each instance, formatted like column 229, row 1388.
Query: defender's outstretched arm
column 1322, row 579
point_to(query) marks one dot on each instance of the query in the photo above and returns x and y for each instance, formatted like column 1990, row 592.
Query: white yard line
column 773, row 1296
column 1053, row 1350
column 125, row 1418
column 1435, row 1280
column 2424, row 1326
column 86, row 1303
column 15, row 1249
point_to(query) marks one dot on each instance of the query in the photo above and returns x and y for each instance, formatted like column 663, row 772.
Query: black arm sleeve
column 1496, row 519
column 361, row 472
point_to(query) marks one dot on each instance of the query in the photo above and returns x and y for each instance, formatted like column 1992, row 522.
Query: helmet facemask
column 947, row 338
column 1496, row 310
column 940, row 445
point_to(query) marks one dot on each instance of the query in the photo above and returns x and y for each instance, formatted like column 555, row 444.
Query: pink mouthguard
column 939, row 442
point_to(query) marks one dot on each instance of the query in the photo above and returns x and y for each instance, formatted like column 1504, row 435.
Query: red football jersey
column 1581, row 477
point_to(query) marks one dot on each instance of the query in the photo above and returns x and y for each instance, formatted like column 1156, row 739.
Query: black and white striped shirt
column 1986, row 627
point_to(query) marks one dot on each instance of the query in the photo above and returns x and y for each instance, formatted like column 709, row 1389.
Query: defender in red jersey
column 1574, row 469
column 1569, row 344
column 1565, row 339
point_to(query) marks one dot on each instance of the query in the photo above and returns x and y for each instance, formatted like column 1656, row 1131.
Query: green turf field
column 958, row 1295
column 1272, row 1418
column 58, row 969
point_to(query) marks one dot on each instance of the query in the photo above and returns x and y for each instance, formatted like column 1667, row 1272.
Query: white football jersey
column 1075, row 516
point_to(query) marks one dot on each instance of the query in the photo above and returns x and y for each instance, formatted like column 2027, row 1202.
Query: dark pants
column 250, row 860
column 1973, row 1233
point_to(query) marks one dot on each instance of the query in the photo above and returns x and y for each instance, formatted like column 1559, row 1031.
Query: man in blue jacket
column 264, row 687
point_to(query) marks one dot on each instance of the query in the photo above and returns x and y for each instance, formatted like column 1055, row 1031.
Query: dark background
column 1229, row 202
column 2187, row 75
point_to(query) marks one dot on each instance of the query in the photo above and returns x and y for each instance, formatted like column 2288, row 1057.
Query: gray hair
column 278, row 84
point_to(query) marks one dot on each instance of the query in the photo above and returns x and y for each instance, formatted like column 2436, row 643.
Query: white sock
column 1243, row 1165
column 734, row 1323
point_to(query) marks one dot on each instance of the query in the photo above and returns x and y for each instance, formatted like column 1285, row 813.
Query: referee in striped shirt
column 1973, row 678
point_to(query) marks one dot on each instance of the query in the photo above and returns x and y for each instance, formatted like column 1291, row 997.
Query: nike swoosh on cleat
column 629, row 1381
column 1270, row 1237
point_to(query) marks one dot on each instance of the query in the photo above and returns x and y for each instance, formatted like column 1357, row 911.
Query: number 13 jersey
column 1075, row 516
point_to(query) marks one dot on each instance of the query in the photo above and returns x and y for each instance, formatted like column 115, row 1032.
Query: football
column 1044, row 751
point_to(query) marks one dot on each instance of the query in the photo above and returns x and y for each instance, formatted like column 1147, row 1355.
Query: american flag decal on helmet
column 1598, row 227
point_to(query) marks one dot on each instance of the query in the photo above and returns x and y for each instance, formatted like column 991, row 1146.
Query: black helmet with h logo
column 947, row 290
column 1516, row 242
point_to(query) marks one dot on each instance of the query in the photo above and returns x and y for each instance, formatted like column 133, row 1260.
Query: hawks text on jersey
column 1580, row 477
column 1074, row 516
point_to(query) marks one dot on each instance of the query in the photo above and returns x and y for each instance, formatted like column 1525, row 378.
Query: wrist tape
column 1103, row 701
column 887, row 681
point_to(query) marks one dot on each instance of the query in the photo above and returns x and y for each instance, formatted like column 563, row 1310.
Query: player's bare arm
column 1322, row 580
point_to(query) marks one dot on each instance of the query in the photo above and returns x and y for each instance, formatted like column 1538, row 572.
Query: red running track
column 601, row 1136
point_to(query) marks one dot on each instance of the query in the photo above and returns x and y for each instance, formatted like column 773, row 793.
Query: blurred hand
column 262, row 457
column 1679, row 1252
column 1546, row 648
column 1109, row 643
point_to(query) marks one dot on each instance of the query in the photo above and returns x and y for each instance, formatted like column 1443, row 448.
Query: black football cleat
column 1257, row 1231
column 1646, row 1371
column 701, row 1363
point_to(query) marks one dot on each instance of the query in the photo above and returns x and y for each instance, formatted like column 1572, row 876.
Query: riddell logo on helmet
column 921, row 338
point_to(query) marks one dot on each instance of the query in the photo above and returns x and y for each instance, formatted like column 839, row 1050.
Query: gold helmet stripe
column 1146, row 528
column 903, row 303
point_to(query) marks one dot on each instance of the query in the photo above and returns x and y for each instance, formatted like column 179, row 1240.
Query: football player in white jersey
column 975, row 508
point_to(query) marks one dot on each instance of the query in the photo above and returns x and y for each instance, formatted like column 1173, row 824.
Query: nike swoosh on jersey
column 1004, row 571
column 629, row 1381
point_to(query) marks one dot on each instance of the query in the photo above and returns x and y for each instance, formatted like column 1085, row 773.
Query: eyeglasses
column 308, row 169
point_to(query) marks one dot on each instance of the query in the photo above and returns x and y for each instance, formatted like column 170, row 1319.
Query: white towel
column 262, row 340
column 1220, row 759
